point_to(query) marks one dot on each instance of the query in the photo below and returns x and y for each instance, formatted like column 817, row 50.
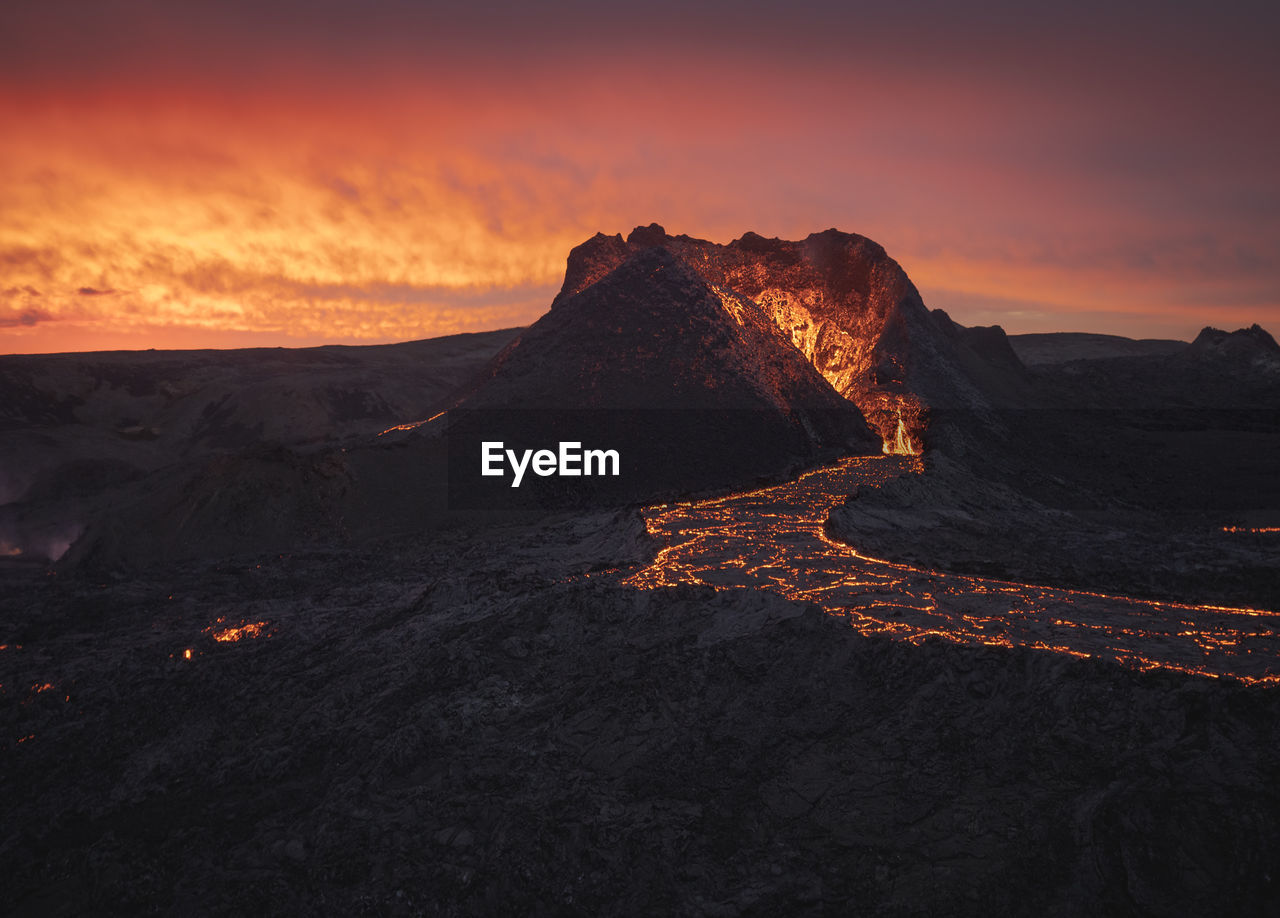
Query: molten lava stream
column 902, row 443
column 774, row 539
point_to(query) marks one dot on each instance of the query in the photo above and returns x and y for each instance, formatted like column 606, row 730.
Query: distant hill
column 82, row 434
column 210, row 399
column 1061, row 347
column 1252, row 343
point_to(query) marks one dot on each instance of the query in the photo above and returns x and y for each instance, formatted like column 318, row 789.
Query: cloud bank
column 311, row 173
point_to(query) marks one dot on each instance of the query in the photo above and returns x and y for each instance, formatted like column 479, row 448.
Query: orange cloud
column 152, row 224
column 447, row 201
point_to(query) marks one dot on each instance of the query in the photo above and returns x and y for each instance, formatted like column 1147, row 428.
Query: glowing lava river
column 773, row 538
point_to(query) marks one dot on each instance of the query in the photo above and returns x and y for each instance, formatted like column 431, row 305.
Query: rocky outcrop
column 1241, row 344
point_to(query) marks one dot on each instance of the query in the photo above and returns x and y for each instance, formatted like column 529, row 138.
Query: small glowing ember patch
column 244, row 630
column 23, row 739
column 37, row 689
column 186, row 654
column 1251, row 529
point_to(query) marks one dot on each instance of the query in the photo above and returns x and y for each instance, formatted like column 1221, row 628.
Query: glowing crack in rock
column 413, row 425
column 774, row 538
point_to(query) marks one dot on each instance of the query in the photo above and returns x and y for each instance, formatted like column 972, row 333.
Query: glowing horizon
column 169, row 179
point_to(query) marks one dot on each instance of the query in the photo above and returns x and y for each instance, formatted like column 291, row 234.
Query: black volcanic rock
column 647, row 236
column 262, row 500
column 654, row 334
column 591, row 261
column 1241, row 343
column 148, row 447
column 988, row 342
column 694, row 377
column 464, row 727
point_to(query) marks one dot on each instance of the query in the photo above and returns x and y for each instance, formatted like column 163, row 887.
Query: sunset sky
column 289, row 173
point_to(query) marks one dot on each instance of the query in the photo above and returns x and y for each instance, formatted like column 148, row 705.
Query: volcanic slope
column 694, row 381
column 851, row 311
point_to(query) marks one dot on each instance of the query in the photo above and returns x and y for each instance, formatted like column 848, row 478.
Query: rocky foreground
column 440, row 729
column 377, row 703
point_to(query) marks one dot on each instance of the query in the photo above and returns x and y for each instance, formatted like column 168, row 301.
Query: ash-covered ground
column 489, row 723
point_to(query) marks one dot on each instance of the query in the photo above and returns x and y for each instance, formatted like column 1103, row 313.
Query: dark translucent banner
column 524, row 459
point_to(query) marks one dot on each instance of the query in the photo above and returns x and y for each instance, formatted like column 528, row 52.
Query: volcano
column 847, row 307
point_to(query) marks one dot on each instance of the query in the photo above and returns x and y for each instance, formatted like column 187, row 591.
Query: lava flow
column 902, row 443
column 773, row 538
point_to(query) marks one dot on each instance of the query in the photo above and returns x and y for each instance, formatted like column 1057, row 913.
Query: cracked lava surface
column 773, row 538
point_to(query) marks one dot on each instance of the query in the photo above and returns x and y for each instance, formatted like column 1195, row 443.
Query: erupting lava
column 774, row 538
column 899, row 418
column 902, row 444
